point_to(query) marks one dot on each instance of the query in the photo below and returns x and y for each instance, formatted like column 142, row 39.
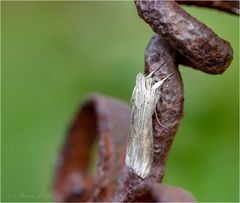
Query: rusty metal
column 191, row 38
column 169, row 111
column 181, row 39
column 227, row 6
column 136, row 190
column 103, row 118
column 150, row 191
column 170, row 106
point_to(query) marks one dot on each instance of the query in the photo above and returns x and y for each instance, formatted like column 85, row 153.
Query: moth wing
column 139, row 91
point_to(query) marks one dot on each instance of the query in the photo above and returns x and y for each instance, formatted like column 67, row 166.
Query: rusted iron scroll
column 192, row 39
column 170, row 106
column 150, row 191
column 106, row 120
column 227, row 5
column 180, row 39
column 169, row 112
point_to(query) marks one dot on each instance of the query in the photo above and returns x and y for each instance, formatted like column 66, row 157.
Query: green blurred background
column 56, row 53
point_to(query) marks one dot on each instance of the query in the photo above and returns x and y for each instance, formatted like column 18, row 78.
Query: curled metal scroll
column 197, row 44
column 180, row 39
column 99, row 118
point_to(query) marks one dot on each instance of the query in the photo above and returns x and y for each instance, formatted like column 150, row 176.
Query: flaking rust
column 197, row 43
column 169, row 108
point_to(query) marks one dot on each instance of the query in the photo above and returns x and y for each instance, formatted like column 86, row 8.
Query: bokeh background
column 56, row 53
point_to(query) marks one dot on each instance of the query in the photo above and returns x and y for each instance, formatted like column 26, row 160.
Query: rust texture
column 100, row 117
column 194, row 40
column 227, row 6
column 181, row 39
column 169, row 112
column 170, row 106
column 150, row 191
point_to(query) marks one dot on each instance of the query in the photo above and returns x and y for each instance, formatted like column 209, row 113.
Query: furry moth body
column 144, row 99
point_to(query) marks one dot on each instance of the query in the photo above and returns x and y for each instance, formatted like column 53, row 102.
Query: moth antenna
column 167, row 77
column 160, row 82
column 151, row 74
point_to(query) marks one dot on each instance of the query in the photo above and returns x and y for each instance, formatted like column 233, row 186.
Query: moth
column 145, row 96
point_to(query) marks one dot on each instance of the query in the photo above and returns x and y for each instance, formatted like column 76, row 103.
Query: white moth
column 145, row 96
